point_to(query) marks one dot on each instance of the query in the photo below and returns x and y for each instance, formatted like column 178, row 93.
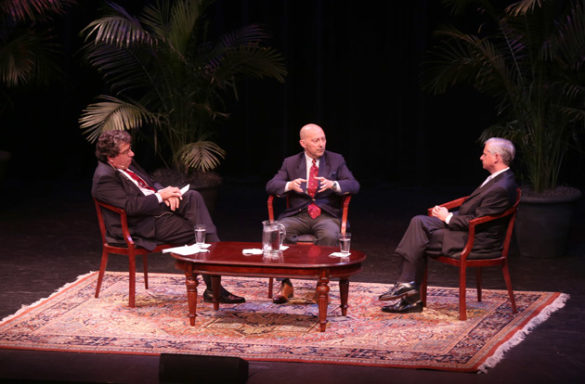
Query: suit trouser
column 324, row 227
column 423, row 232
column 179, row 227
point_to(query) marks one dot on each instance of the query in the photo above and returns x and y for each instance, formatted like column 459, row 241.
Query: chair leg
column 131, row 279
column 145, row 265
column 462, row 286
column 423, row 287
column 103, row 265
column 478, row 283
column 508, row 281
column 270, row 285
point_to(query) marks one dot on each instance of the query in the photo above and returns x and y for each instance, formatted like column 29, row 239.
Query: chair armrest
column 346, row 200
column 123, row 221
column 270, row 206
column 450, row 204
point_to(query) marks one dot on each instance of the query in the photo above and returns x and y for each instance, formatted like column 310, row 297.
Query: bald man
column 315, row 181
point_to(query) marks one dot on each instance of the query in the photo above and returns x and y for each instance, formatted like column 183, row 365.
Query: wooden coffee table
column 301, row 261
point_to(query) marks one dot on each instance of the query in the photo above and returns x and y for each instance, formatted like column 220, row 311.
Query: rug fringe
column 24, row 307
column 498, row 355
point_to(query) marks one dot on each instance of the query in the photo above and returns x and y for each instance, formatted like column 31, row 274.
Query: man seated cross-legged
column 156, row 214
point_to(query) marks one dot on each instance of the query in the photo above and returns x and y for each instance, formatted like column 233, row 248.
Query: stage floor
column 49, row 236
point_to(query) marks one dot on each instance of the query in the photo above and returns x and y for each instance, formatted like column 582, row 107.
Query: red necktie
column 313, row 183
column 139, row 180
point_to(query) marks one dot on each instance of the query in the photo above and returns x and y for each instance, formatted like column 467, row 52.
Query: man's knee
column 192, row 195
column 328, row 239
column 328, row 236
column 418, row 219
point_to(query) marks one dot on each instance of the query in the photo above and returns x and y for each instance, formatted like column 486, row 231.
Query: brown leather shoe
column 285, row 293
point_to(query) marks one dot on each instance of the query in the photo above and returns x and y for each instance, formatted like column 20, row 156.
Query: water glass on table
column 344, row 243
column 200, row 234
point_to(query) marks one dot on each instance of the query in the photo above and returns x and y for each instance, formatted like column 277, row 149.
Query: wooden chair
column 467, row 260
column 128, row 248
column 306, row 238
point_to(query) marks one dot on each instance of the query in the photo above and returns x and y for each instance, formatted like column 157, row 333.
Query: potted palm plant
column 168, row 82
column 530, row 58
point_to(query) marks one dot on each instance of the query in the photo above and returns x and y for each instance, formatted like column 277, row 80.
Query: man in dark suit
column 447, row 231
column 156, row 214
column 315, row 181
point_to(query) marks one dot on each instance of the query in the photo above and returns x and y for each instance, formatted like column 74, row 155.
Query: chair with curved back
column 128, row 248
column 466, row 258
column 306, row 238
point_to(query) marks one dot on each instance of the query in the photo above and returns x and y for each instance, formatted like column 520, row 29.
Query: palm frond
column 524, row 6
column 249, row 35
column 183, row 22
column 570, row 37
column 34, row 10
column 122, row 69
column 256, row 62
column 112, row 114
column 120, row 29
column 203, row 155
column 462, row 58
column 29, row 56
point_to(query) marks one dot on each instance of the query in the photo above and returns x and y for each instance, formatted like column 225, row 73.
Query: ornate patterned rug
column 73, row 320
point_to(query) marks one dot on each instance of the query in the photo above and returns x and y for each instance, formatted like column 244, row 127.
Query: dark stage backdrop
column 353, row 67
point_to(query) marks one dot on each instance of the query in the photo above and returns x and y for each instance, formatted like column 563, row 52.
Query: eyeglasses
column 126, row 151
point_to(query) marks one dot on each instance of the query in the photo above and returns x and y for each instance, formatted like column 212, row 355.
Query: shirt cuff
column 158, row 197
column 448, row 218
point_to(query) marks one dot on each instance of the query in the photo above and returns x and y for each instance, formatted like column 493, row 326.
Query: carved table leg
column 343, row 292
column 323, row 293
column 191, row 282
column 216, row 288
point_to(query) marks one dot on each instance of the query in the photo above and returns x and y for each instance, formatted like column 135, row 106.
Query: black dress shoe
column 226, row 297
column 404, row 306
column 398, row 291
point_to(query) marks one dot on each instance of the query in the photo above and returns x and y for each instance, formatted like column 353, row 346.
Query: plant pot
column 206, row 183
column 544, row 220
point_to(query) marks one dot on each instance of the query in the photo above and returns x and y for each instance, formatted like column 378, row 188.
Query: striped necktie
column 139, row 180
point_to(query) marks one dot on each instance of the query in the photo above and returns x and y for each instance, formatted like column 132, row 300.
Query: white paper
column 188, row 249
column 252, row 251
column 185, row 189
column 339, row 254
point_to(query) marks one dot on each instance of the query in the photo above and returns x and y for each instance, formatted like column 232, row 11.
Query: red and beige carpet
column 73, row 320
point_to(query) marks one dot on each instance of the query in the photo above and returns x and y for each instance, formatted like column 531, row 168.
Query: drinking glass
column 344, row 243
column 200, row 234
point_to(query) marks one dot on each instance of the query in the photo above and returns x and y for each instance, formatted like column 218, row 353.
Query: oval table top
column 296, row 256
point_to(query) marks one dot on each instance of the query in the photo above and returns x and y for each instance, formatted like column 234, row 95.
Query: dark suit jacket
column 113, row 188
column 331, row 166
column 493, row 198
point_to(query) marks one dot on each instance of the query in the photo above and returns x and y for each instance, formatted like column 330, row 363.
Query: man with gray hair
column 447, row 231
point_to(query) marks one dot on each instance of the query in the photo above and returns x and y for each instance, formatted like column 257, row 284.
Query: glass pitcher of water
column 273, row 234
